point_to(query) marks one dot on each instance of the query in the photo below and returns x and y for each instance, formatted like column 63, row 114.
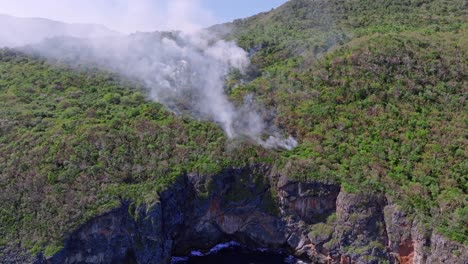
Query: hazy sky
column 143, row 15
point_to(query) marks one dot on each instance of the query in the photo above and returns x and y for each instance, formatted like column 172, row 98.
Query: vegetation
column 73, row 144
column 374, row 90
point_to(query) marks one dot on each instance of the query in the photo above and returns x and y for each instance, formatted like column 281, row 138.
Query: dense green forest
column 374, row 91
column 73, row 143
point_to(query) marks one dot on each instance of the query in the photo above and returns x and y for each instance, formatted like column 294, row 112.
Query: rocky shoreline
column 316, row 221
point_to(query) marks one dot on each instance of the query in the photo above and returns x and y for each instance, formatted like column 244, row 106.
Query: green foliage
column 73, row 144
column 52, row 250
column 322, row 229
column 375, row 91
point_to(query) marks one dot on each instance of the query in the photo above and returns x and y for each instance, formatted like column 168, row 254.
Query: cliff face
column 131, row 235
column 312, row 220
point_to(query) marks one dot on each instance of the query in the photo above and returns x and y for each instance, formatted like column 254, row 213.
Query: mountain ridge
column 34, row 30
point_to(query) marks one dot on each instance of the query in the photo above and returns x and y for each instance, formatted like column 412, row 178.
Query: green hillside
column 74, row 143
column 375, row 91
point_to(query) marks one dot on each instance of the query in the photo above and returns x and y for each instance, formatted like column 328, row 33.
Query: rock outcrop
column 318, row 222
column 411, row 242
column 131, row 235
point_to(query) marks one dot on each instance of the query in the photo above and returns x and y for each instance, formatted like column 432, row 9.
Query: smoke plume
column 185, row 71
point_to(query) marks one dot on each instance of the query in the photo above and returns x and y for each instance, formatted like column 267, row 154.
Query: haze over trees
column 373, row 91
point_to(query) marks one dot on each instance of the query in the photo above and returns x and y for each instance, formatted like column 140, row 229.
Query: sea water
column 234, row 253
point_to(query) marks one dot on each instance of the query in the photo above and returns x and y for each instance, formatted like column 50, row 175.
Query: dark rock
column 312, row 220
column 294, row 240
column 235, row 210
column 120, row 237
column 313, row 202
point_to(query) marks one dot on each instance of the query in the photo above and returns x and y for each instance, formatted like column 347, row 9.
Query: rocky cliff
column 315, row 221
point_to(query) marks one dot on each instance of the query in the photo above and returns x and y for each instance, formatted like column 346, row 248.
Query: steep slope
column 74, row 144
column 383, row 111
column 15, row 31
column 374, row 90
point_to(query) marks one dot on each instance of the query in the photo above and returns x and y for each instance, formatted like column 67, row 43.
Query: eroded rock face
column 445, row 251
column 360, row 228
column 411, row 242
column 312, row 202
column 120, row 237
column 316, row 221
column 240, row 206
column 399, row 236
column 113, row 237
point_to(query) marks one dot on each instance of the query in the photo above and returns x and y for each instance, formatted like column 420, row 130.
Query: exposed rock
column 17, row 255
column 238, row 208
column 120, row 237
column 399, row 235
column 360, row 228
column 445, row 251
column 294, row 240
column 312, row 202
column 320, row 222
column 412, row 242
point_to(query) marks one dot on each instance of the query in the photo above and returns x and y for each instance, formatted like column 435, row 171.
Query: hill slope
column 374, row 90
column 73, row 144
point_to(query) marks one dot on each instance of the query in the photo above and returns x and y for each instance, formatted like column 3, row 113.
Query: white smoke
column 185, row 71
